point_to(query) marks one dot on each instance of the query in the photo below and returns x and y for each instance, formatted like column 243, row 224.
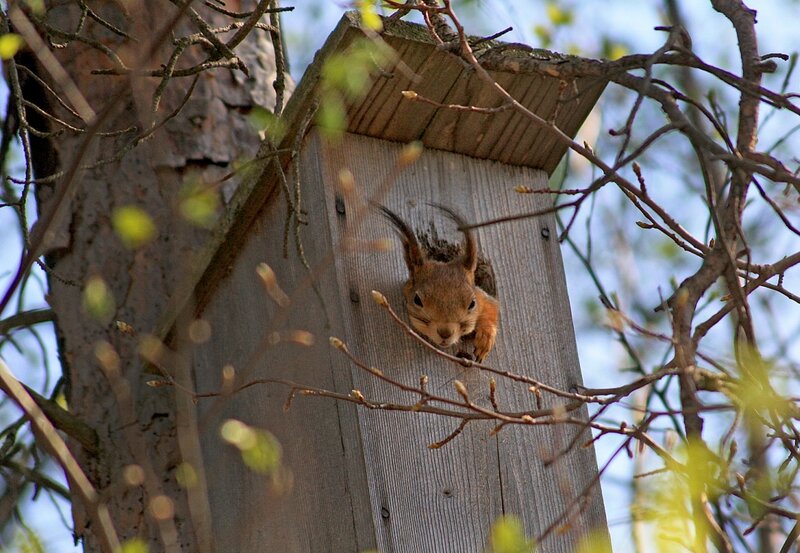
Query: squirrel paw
column 465, row 355
column 484, row 342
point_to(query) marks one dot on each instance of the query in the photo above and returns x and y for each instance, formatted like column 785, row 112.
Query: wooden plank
column 570, row 120
column 518, row 135
column 364, row 479
column 390, row 115
column 465, row 132
column 369, row 115
column 444, row 500
column 505, row 124
column 323, row 511
column 533, row 152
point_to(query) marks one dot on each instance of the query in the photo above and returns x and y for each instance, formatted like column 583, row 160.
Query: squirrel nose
column 445, row 333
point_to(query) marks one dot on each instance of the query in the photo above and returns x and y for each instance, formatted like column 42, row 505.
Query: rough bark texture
column 201, row 143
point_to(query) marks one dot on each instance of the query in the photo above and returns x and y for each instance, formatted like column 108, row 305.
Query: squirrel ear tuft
column 470, row 258
column 413, row 254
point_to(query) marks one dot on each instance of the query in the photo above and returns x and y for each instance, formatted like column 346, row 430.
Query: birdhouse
column 365, row 461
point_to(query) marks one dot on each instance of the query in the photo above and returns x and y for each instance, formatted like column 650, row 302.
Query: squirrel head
column 440, row 297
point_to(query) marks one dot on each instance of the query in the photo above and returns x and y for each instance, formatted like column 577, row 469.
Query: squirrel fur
column 442, row 300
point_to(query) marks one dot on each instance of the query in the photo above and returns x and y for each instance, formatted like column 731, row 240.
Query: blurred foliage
column 260, row 450
column 508, row 536
column 9, row 45
column 264, row 121
column 199, row 203
column 346, row 77
column 135, row 545
column 133, row 225
column 25, row 541
column 665, row 498
column 369, row 14
column 97, row 299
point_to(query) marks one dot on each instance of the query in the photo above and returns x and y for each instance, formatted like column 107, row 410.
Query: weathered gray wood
column 535, row 339
column 367, row 478
column 384, row 113
column 442, row 77
column 248, row 515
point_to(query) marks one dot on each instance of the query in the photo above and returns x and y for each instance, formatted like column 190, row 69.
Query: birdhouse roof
column 541, row 81
column 545, row 83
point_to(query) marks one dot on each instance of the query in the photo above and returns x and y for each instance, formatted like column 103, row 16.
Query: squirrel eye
column 417, row 300
column 471, row 304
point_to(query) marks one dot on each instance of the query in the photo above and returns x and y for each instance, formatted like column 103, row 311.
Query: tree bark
column 136, row 424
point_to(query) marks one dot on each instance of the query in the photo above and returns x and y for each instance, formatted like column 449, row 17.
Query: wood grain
column 366, row 479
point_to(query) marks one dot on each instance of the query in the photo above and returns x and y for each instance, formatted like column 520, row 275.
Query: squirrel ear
column 470, row 252
column 413, row 254
column 470, row 258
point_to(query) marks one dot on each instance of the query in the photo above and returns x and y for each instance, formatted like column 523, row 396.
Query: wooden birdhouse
column 360, row 475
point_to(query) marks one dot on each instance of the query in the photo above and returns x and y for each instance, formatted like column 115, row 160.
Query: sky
column 306, row 30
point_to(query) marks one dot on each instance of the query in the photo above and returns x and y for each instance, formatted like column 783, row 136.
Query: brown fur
column 452, row 306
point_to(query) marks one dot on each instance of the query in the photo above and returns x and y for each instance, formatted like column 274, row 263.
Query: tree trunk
column 137, row 424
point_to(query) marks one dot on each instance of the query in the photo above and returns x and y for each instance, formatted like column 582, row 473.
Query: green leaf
column 263, row 120
column 10, row 45
column 346, row 77
column 612, row 50
column 596, row 541
column 186, row 475
column 369, row 17
column 61, row 401
column 199, row 204
column 668, row 250
column 97, row 299
column 544, row 35
column 134, row 545
column 508, row 536
column 133, row 225
column 260, row 450
column 558, row 15
column 331, row 115
column 36, row 6
column 28, row 542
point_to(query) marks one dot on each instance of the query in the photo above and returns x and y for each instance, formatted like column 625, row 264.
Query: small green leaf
column 558, row 15
column 134, row 545
column 133, row 225
column 263, row 120
column 331, row 116
column 612, row 50
column 369, row 17
column 10, row 45
column 61, row 401
column 97, row 299
column 199, row 204
column 260, row 450
column 36, row 6
column 28, row 542
column 508, row 536
column 186, row 475
column 346, row 77
column 544, row 35
column 668, row 250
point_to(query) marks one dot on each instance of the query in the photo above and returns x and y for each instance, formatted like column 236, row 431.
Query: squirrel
column 442, row 300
